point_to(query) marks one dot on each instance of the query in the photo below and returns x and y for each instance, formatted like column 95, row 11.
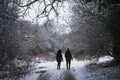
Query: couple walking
column 68, row 57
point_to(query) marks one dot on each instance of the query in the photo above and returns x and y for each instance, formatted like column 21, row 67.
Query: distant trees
column 34, row 39
column 26, row 39
column 12, row 39
column 102, row 24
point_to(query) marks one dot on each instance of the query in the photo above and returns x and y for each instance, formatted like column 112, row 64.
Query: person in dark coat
column 68, row 57
column 59, row 58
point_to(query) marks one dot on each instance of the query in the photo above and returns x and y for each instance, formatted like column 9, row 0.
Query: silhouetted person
column 59, row 58
column 68, row 57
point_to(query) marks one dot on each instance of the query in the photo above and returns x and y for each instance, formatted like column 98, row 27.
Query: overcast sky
column 64, row 14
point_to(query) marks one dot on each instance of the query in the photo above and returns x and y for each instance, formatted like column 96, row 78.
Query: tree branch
column 27, row 4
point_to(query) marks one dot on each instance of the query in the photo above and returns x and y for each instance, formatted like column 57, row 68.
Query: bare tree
column 89, row 28
column 44, row 7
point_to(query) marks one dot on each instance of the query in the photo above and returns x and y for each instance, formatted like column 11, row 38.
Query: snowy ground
column 48, row 71
column 53, row 74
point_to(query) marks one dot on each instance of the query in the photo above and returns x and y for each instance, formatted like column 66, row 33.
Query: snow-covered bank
column 105, row 58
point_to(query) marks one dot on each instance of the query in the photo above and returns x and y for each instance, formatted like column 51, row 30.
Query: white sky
column 64, row 14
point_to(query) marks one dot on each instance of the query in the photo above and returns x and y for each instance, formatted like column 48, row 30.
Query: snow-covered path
column 48, row 71
column 51, row 73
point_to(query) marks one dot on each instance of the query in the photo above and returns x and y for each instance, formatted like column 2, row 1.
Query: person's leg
column 67, row 64
column 57, row 65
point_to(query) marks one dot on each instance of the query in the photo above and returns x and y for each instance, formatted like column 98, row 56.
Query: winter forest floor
column 80, row 70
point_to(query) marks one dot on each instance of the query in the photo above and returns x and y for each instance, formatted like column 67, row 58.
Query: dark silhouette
column 68, row 57
column 59, row 58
